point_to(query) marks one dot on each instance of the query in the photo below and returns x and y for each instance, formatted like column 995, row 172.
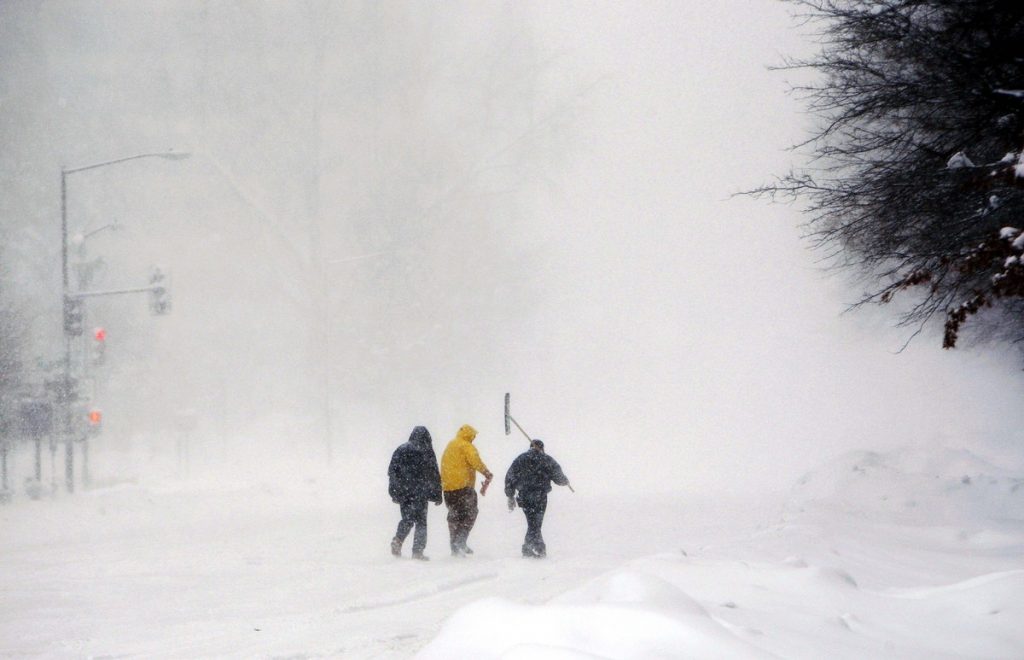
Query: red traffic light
column 100, row 334
column 95, row 417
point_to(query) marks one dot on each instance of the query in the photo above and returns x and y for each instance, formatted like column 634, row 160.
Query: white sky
column 547, row 189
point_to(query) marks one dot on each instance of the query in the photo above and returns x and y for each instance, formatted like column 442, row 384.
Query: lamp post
column 64, row 396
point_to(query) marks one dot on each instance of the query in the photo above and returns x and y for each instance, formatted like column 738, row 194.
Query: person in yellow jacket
column 459, row 465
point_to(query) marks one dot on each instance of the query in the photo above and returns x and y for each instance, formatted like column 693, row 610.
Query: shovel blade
column 508, row 429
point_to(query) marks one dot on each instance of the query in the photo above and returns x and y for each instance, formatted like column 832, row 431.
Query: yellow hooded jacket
column 461, row 461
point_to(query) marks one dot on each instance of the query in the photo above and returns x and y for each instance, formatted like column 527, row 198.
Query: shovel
column 508, row 429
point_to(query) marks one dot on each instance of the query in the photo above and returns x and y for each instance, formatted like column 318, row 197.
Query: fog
column 394, row 213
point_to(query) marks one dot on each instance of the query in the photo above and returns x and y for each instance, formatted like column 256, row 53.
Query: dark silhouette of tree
column 915, row 180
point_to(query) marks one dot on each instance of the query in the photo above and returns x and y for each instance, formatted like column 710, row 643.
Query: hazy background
column 394, row 213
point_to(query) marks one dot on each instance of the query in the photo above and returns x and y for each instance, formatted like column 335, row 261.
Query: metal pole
column 64, row 229
column 69, row 463
column 69, row 455
column 53, row 465
column 85, row 463
column 3, row 459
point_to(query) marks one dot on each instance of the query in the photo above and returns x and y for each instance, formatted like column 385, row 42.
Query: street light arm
column 170, row 155
column 110, row 225
column 65, row 171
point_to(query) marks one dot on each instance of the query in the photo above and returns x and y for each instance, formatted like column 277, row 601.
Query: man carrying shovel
column 531, row 474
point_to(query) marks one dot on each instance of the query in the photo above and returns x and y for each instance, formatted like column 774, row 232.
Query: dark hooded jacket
column 531, row 473
column 413, row 473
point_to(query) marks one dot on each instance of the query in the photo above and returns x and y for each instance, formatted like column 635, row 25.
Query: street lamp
column 65, row 171
column 80, row 239
column 65, row 390
column 87, row 269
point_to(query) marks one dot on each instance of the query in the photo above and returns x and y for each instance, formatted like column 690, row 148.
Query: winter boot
column 418, row 554
column 396, row 547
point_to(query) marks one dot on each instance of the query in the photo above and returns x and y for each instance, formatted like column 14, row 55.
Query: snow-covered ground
column 916, row 553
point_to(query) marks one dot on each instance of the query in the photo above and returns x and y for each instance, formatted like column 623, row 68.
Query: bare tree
column 916, row 157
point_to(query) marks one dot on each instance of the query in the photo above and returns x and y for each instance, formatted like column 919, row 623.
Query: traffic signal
column 99, row 345
column 95, row 420
column 73, row 317
column 159, row 296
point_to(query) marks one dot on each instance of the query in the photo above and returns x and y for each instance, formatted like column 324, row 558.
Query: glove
column 511, row 503
column 484, row 485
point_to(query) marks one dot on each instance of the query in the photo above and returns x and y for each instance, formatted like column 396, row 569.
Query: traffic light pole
column 64, row 229
column 65, row 391
column 67, row 298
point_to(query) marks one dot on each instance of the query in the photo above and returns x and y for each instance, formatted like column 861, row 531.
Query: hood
column 420, row 437
column 466, row 432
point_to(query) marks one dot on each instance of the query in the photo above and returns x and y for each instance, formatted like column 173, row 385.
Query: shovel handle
column 513, row 420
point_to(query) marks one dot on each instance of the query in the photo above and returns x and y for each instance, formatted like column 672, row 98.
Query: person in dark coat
column 413, row 480
column 531, row 475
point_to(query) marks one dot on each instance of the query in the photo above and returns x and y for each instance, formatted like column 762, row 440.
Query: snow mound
column 627, row 588
column 991, row 593
column 625, row 614
column 926, row 486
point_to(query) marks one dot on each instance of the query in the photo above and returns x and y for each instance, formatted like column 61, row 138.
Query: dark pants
column 534, row 505
column 462, row 512
column 414, row 513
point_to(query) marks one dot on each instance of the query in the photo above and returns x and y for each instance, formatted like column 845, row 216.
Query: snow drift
column 908, row 554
